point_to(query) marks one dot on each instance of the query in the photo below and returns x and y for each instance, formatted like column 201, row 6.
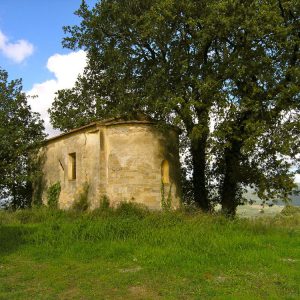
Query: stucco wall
column 86, row 146
column 134, row 157
column 121, row 161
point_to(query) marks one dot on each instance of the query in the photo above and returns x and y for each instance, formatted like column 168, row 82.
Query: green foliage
column 104, row 203
column 81, row 202
column 131, row 209
column 166, row 203
column 53, row 193
column 226, row 258
column 38, row 181
column 291, row 211
column 189, row 63
column 21, row 133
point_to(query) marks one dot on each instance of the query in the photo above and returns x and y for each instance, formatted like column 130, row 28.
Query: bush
column 81, row 200
column 129, row 209
column 190, row 208
column 166, row 202
column 104, row 203
column 53, row 193
column 290, row 210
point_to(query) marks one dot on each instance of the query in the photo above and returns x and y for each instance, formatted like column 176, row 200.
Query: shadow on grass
column 12, row 238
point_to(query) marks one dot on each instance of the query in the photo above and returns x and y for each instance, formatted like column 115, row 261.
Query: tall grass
column 155, row 254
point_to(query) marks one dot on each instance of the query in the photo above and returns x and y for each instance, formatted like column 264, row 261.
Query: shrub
column 189, row 207
column 166, row 203
column 81, row 200
column 53, row 193
column 132, row 209
column 104, row 203
column 290, row 210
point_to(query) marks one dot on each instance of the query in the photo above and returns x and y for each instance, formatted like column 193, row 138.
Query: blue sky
column 30, row 48
column 40, row 24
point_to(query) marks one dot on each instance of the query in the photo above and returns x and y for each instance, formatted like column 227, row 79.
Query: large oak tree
column 226, row 72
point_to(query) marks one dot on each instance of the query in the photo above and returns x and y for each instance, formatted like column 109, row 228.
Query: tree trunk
column 231, row 179
column 198, row 147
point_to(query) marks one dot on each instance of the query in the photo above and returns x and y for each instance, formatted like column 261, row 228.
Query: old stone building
column 123, row 160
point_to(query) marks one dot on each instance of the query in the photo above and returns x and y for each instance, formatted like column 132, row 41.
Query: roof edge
column 94, row 124
column 108, row 122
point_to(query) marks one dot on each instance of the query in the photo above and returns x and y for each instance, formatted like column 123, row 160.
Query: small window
column 72, row 166
column 165, row 172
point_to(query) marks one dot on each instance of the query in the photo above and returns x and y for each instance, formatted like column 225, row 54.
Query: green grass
column 131, row 253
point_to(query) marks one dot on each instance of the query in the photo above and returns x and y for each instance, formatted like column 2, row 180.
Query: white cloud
column 17, row 51
column 65, row 69
column 3, row 40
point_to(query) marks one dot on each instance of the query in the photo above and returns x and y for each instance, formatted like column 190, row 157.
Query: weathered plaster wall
column 134, row 157
column 87, row 148
column 119, row 160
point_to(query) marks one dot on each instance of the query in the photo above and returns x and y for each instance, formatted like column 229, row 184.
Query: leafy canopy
column 225, row 71
column 21, row 133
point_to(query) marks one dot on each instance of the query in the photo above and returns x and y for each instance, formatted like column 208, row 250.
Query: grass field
column 131, row 253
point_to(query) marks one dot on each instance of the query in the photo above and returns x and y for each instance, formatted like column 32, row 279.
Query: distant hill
column 295, row 199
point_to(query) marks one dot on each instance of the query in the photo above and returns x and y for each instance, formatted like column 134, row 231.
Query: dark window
column 72, row 166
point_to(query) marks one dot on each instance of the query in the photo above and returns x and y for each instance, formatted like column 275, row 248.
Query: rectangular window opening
column 72, row 166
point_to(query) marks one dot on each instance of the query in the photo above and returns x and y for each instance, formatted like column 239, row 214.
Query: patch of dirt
column 70, row 293
column 131, row 270
column 289, row 259
column 212, row 277
column 221, row 279
column 142, row 293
